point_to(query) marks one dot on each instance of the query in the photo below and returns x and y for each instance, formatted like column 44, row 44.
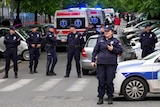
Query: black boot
column 100, row 101
column 48, row 74
column 6, row 75
column 79, row 76
column 31, row 71
column 66, row 76
column 16, row 75
column 110, row 100
column 52, row 72
column 35, row 71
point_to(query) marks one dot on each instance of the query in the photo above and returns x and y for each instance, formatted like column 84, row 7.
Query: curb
column 11, row 65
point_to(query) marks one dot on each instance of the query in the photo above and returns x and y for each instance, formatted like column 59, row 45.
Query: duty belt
column 11, row 49
column 73, row 46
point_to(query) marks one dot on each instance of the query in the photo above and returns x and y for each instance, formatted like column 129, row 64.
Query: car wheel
column 25, row 55
column 134, row 89
column 85, row 72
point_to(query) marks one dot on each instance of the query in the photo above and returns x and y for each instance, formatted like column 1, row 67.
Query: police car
column 135, row 78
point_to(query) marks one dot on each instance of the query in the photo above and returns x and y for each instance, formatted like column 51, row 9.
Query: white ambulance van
column 96, row 16
column 64, row 18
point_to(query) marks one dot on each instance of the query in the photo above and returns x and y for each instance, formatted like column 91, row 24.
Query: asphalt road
column 38, row 90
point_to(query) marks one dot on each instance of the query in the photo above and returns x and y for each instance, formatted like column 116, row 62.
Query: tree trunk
column 49, row 18
column 36, row 17
column 12, row 10
column 18, row 9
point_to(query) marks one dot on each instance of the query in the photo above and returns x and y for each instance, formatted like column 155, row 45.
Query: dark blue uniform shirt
column 89, row 32
column 50, row 39
column 105, row 56
column 75, row 39
column 148, row 39
column 11, row 41
column 34, row 38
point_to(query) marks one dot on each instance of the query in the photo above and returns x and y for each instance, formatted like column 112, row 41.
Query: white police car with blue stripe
column 135, row 78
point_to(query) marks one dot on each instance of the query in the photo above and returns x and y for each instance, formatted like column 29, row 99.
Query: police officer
column 11, row 42
column 75, row 42
column 34, row 42
column 148, row 40
column 106, row 50
column 90, row 31
column 51, row 52
column 102, row 29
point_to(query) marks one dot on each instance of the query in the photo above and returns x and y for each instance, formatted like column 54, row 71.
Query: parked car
column 139, row 18
column 135, row 44
column 135, row 78
column 22, row 48
column 128, row 53
column 138, row 33
column 139, row 26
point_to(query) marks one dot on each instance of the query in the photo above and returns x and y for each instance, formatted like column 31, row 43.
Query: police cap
column 32, row 27
column 50, row 26
column 107, row 29
column 147, row 26
column 12, row 28
column 72, row 25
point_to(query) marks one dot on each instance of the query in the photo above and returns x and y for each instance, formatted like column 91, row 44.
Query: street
column 38, row 90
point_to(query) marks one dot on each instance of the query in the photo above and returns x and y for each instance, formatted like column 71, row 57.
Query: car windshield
column 91, row 42
column 23, row 33
column 151, row 55
column 123, row 40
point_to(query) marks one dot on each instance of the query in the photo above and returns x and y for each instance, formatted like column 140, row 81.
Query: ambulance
column 64, row 18
column 96, row 16
column 80, row 17
column 109, row 11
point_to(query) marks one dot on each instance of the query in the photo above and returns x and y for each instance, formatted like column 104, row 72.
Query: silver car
column 128, row 53
column 22, row 48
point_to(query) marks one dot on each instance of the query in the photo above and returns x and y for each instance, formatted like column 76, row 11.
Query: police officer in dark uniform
column 90, row 31
column 106, row 50
column 34, row 42
column 11, row 42
column 51, row 51
column 102, row 29
column 148, row 40
column 75, row 42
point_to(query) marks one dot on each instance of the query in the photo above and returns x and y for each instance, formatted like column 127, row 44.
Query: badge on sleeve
column 101, row 40
column 112, row 42
column 14, row 38
column 150, row 36
column 76, row 36
column 50, row 36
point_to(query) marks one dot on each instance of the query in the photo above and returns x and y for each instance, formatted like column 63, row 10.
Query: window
column 151, row 55
column 91, row 42
column 3, row 32
column 64, row 23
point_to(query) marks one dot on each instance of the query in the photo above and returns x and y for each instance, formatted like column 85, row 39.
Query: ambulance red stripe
column 68, row 13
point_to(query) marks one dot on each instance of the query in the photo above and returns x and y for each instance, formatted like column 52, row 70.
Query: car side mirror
column 133, row 44
column 158, row 60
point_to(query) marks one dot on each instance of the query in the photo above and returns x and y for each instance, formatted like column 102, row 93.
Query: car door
column 156, row 75
column 3, row 32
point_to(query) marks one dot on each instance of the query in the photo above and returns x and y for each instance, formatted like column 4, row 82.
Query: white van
column 64, row 18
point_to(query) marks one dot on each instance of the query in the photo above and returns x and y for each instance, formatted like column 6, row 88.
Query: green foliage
column 151, row 7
